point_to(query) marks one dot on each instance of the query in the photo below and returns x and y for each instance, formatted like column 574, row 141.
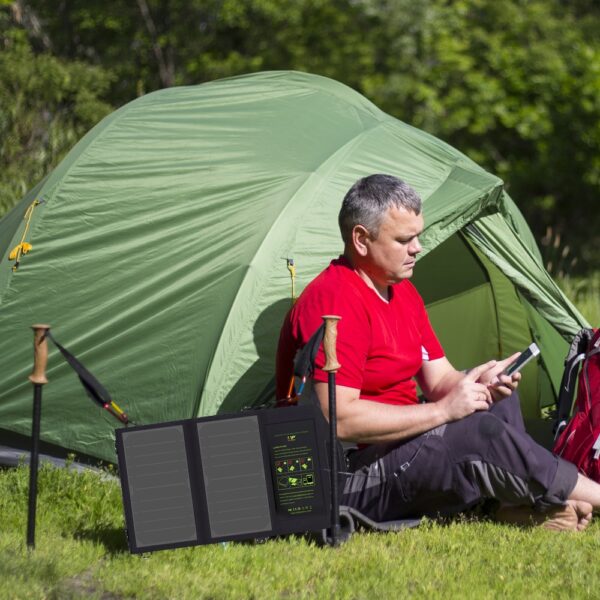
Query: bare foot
column 584, row 513
column 575, row 515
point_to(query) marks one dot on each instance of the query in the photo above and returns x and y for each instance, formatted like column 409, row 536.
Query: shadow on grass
column 112, row 538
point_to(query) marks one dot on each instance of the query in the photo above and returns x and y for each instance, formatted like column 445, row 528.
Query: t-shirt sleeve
column 430, row 345
column 431, row 348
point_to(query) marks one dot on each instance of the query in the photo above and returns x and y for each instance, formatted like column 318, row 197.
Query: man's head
column 380, row 221
column 369, row 199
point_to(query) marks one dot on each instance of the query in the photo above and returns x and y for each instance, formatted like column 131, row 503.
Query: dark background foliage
column 514, row 84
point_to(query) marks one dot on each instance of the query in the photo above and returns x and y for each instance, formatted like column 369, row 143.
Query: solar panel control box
column 230, row 477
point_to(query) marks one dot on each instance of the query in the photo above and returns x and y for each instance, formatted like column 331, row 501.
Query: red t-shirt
column 380, row 345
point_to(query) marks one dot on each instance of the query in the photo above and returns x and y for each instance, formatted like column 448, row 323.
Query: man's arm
column 371, row 422
column 438, row 377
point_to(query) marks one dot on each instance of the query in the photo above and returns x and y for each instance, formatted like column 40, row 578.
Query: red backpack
column 578, row 439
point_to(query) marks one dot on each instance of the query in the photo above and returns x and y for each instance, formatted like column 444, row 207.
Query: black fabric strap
column 93, row 388
column 304, row 363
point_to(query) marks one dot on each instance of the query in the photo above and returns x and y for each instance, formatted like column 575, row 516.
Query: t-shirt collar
column 342, row 261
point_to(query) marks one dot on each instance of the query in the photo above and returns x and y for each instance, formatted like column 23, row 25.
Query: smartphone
column 522, row 360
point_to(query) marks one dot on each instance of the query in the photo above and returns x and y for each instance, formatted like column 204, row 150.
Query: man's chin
column 406, row 274
column 408, row 271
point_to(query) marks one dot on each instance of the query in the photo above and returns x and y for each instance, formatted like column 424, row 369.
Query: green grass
column 81, row 550
column 81, row 553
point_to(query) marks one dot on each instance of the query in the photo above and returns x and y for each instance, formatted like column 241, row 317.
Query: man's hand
column 500, row 386
column 469, row 394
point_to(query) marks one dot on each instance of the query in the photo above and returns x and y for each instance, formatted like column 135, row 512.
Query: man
column 467, row 443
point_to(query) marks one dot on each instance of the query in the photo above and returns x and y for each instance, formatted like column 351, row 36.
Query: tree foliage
column 46, row 105
column 515, row 84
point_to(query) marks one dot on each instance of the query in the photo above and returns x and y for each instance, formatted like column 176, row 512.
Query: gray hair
column 370, row 198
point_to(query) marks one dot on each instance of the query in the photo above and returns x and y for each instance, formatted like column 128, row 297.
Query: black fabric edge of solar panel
column 196, row 482
column 123, row 476
column 281, row 524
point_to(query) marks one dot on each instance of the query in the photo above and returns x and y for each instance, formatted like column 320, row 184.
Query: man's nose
column 415, row 246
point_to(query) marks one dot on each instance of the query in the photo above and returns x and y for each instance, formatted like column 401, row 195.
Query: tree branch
column 165, row 70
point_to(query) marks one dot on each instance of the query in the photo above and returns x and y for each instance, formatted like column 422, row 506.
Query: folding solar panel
column 232, row 477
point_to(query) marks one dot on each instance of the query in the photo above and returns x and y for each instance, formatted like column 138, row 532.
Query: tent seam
column 310, row 176
column 457, row 225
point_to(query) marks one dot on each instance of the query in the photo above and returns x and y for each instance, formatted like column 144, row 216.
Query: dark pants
column 456, row 466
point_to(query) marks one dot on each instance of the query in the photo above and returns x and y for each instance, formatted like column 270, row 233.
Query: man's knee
column 509, row 410
column 473, row 434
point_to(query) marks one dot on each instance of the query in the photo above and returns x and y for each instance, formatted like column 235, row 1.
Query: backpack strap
column 564, row 403
column 586, row 377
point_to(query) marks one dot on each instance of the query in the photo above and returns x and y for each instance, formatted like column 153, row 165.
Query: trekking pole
column 331, row 367
column 38, row 378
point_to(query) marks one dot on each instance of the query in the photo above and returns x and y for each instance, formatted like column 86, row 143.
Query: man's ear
column 360, row 237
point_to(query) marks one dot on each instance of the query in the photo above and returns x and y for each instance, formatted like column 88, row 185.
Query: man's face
column 392, row 255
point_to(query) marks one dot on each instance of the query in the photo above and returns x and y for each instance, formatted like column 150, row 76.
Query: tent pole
column 38, row 378
column 331, row 367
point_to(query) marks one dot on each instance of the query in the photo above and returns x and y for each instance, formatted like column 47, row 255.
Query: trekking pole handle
column 329, row 342
column 40, row 354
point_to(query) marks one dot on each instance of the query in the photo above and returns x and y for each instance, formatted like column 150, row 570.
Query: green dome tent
column 159, row 245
